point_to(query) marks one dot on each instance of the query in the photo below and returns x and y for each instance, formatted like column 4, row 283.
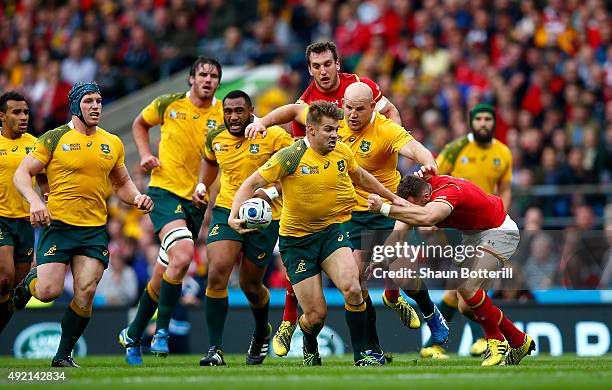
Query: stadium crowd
column 545, row 66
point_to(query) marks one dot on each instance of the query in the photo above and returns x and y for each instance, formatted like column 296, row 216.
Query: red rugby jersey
column 473, row 209
column 312, row 94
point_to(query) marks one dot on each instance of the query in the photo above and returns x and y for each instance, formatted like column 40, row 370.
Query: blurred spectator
column 233, row 49
column 119, row 284
column 78, row 67
column 542, row 265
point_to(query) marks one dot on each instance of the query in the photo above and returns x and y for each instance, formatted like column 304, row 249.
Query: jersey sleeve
column 152, row 113
column 45, row 145
column 447, row 157
column 282, row 139
column 507, row 176
column 209, row 153
column 398, row 136
column 376, row 92
column 283, row 163
column 121, row 154
column 449, row 194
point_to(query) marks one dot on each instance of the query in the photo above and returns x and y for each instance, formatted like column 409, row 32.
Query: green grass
column 407, row 372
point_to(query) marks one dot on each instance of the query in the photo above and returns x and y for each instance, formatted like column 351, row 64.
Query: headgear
column 75, row 95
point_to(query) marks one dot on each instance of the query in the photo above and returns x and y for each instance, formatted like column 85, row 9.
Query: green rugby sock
column 146, row 308
column 169, row 294
column 216, row 307
column 372, row 333
column 356, row 319
column 260, row 307
column 73, row 326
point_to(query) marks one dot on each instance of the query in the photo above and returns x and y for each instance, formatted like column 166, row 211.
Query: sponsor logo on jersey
column 28, row 149
column 105, row 148
column 352, row 138
column 71, row 147
column 497, row 162
column 341, row 238
column 15, row 149
column 196, row 116
column 341, row 166
column 310, row 170
column 3, row 152
column 105, row 252
column 261, row 255
column 365, row 146
column 177, row 115
column 464, row 160
column 301, row 267
column 326, row 165
column 30, row 251
column 89, row 144
column 220, row 148
column 254, row 148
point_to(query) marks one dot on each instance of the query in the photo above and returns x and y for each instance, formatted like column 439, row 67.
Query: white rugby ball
column 256, row 212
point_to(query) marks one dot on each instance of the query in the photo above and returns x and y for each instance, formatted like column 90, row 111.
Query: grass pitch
column 407, row 371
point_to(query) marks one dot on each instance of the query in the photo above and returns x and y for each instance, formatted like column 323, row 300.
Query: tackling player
column 185, row 119
column 448, row 202
column 84, row 163
column 237, row 158
column 486, row 162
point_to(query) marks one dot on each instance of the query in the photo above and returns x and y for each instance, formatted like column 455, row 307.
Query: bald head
column 358, row 91
column 358, row 105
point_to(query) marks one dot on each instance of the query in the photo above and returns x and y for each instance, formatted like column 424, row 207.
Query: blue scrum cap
column 77, row 92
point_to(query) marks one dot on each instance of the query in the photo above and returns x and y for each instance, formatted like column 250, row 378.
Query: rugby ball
column 256, row 212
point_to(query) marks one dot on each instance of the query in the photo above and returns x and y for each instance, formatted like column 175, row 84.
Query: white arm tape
column 272, row 192
column 385, row 209
column 201, row 188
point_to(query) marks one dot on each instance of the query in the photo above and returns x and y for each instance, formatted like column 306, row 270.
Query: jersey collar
column 306, row 141
column 71, row 125
column 373, row 117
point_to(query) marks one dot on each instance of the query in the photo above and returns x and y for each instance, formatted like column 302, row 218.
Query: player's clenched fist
column 144, row 202
column 375, row 202
column 149, row 162
column 39, row 214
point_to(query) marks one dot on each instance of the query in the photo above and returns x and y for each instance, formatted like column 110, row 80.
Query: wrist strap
column 272, row 192
column 385, row 209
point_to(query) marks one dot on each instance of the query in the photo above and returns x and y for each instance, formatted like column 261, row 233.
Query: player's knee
column 218, row 277
column 316, row 317
column 47, row 293
column 182, row 254
column 351, row 290
column 250, row 287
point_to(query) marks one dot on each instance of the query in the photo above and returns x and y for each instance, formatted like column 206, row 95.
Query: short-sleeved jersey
column 486, row 167
column 376, row 148
column 12, row 153
column 312, row 94
column 78, row 168
column 183, row 137
column 238, row 158
column 317, row 189
column 472, row 208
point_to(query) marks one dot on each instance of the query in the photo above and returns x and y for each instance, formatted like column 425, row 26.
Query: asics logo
column 51, row 251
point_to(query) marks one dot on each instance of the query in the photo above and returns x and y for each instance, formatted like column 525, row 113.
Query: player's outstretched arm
column 30, row 167
column 366, row 181
column 140, row 132
column 410, row 213
column 278, row 116
column 415, row 150
column 126, row 190
column 390, row 111
column 245, row 192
